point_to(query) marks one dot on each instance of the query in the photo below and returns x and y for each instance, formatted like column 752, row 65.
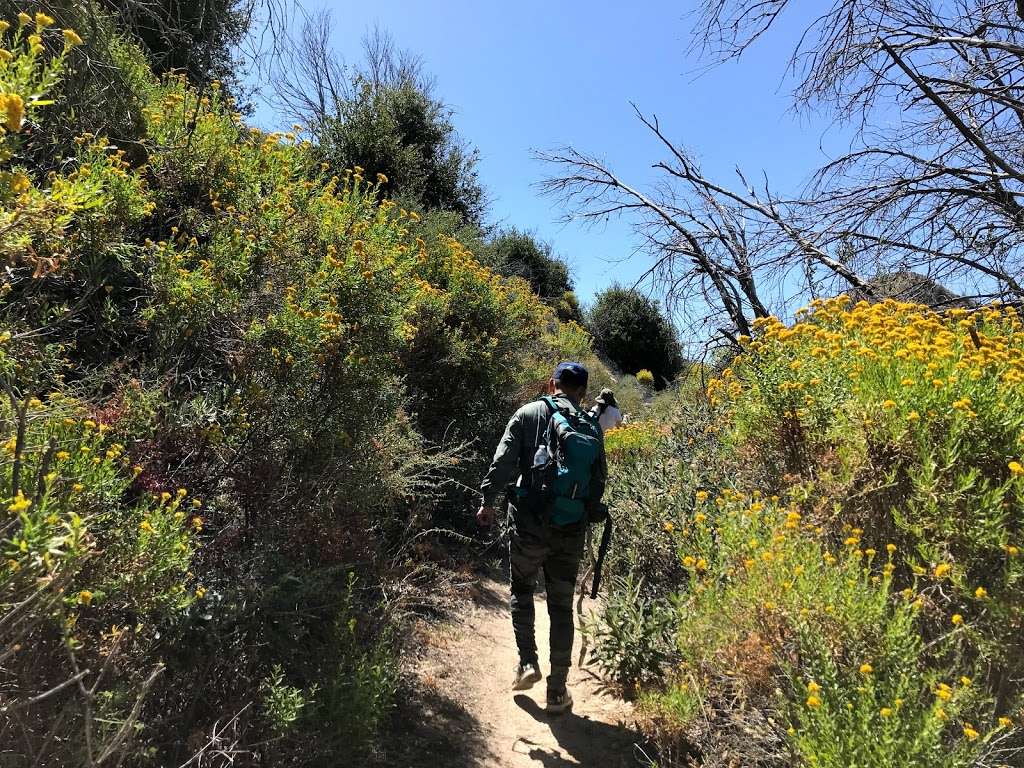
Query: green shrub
column 282, row 703
column 91, row 569
column 634, row 334
column 633, row 640
column 521, row 254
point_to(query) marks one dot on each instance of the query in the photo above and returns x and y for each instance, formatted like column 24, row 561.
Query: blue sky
column 539, row 75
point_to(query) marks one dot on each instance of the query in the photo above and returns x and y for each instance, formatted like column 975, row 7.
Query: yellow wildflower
column 957, row 619
column 71, row 38
column 969, row 732
column 942, row 569
column 14, row 107
column 43, row 21
column 85, row 597
column 981, row 593
column 813, row 701
column 866, row 669
column 19, row 504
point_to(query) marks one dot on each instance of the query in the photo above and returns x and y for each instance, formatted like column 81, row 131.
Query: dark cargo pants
column 557, row 550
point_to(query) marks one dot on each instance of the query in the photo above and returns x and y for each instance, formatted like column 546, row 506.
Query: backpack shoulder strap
column 565, row 410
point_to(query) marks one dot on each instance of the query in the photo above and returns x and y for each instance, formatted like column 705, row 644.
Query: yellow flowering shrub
column 88, row 562
column 912, row 422
column 637, row 438
column 36, row 213
column 771, row 607
column 287, row 346
column 844, row 511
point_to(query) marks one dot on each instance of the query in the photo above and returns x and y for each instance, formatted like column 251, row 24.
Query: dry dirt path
column 467, row 716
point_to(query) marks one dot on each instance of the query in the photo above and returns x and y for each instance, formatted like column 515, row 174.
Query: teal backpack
column 573, row 439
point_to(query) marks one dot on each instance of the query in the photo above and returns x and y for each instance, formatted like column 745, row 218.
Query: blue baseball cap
column 573, row 374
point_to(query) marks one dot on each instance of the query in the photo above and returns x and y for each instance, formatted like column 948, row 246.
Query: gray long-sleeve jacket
column 514, row 455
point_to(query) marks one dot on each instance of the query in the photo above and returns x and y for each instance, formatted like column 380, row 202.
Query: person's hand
column 486, row 516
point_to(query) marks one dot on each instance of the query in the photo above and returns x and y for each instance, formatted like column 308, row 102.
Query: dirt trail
column 468, row 716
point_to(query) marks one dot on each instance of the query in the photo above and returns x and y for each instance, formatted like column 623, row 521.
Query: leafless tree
column 935, row 179
column 715, row 249
column 933, row 182
column 312, row 84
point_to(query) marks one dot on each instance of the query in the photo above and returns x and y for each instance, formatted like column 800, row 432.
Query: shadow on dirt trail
column 461, row 712
column 581, row 740
column 430, row 730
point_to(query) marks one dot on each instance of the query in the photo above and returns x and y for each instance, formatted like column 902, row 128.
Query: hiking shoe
column 559, row 702
column 526, row 675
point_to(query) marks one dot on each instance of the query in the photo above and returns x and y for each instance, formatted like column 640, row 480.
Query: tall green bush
column 520, row 254
column 632, row 331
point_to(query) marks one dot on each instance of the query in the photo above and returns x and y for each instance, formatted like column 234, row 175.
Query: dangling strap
column 554, row 409
column 602, row 551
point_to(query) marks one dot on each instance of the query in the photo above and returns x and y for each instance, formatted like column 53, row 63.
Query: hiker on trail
column 551, row 465
column 606, row 411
